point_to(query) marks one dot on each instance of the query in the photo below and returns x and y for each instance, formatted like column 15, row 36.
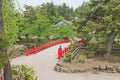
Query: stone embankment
column 59, row 67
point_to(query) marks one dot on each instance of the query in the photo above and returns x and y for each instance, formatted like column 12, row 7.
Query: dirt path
column 44, row 62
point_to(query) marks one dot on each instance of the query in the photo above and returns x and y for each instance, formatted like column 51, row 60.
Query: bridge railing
column 43, row 47
column 62, row 52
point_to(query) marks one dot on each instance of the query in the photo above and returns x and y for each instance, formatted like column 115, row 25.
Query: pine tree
column 102, row 22
column 9, row 35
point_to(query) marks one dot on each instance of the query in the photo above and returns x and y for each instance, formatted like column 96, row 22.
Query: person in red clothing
column 59, row 52
column 59, row 47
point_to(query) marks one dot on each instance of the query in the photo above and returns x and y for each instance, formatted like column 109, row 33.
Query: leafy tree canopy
column 102, row 22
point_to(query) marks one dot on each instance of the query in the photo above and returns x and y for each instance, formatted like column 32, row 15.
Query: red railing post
column 26, row 52
column 35, row 50
column 61, row 52
column 64, row 51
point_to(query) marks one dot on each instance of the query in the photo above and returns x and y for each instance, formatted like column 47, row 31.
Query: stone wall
column 103, row 68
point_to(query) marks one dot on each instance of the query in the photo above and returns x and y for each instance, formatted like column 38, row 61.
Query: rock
column 59, row 64
column 72, row 71
column 102, row 68
column 57, row 68
column 110, row 68
column 65, row 70
column 118, row 69
column 83, row 70
column 112, row 71
column 76, row 70
column 96, row 67
column 95, row 71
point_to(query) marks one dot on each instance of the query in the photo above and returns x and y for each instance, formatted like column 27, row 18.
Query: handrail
column 43, row 47
column 62, row 52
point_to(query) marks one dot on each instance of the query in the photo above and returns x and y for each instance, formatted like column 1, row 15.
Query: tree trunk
column 110, row 42
column 1, row 20
column 7, row 68
column 8, row 71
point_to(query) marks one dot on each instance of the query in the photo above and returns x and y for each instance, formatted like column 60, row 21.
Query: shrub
column 91, row 53
column 18, row 52
column 101, row 51
column 22, row 49
column 68, row 54
column 74, row 45
column 93, row 46
column 82, row 58
column 22, row 72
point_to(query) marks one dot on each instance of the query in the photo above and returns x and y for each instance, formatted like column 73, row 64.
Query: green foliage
column 91, row 53
column 22, row 49
column 61, row 18
column 82, row 58
column 3, row 60
column 93, row 46
column 23, row 72
column 68, row 57
column 68, row 54
column 83, row 10
column 74, row 45
column 101, row 51
column 39, row 21
column 50, row 10
column 66, row 11
column 64, row 31
column 10, row 30
column 100, row 21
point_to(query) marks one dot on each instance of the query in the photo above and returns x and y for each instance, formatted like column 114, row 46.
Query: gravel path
column 44, row 62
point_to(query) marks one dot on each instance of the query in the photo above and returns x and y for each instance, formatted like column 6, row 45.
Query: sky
column 71, row 3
